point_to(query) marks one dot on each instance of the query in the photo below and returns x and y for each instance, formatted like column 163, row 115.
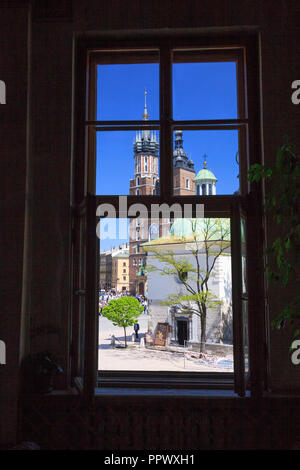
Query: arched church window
column 153, row 232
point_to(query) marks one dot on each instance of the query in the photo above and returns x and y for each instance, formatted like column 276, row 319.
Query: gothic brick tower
column 145, row 182
column 145, row 148
column 183, row 169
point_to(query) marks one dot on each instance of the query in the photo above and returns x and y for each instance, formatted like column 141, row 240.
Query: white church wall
column 161, row 286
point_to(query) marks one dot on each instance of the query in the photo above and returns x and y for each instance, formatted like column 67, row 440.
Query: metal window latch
column 80, row 292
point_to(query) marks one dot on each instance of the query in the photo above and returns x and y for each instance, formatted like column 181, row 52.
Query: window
column 179, row 122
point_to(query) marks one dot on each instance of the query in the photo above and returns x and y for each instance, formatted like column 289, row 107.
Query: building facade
column 183, row 169
column 146, row 182
column 184, row 327
column 184, row 324
column 120, row 271
column 112, row 259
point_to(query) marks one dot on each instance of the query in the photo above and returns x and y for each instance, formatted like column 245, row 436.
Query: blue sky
column 200, row 91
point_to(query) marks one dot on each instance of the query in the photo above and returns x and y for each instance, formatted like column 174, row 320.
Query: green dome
column 187, row 227
column 184, row 227
column 205, row 174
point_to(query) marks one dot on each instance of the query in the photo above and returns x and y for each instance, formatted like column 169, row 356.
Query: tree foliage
column 123, row 312
column 283, row 204
column 210, row 243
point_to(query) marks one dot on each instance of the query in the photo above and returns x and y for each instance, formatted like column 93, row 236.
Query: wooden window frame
column 211, row 47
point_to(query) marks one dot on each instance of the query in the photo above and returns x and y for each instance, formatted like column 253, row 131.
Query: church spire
column 146, row 141
column 145, row 115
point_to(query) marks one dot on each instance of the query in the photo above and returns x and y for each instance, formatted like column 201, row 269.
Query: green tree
column 123, row 312
column 282, row 203
column 209, row 239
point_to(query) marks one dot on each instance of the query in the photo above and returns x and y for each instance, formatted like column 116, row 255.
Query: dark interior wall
column 13, row 149
column 51, row 121
column 46, row 296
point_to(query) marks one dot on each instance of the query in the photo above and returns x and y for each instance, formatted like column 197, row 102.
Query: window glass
column 161, row 262
column 125, row 160
column 121, row 88
column 206, row 90
column 179, row 321
column 210, row 160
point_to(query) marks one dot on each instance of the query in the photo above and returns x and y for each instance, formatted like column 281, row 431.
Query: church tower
column 205, row 181
column 145, row 149
column 183, row 169
column 145, row 182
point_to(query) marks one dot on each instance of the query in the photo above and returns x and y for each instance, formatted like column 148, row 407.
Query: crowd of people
column 144, row 301
column 105, row 296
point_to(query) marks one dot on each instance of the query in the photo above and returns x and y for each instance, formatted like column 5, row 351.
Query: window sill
column 164, row 382
column 170, row 392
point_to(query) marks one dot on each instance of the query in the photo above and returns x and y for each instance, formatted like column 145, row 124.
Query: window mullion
column 166, row 147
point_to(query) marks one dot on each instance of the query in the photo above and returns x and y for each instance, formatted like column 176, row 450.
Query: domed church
column 205, row 182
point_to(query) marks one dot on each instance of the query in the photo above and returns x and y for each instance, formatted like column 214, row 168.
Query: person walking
column 136, row 330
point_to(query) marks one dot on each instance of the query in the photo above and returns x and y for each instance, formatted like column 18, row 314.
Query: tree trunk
column 203, row 329
column 125, row 336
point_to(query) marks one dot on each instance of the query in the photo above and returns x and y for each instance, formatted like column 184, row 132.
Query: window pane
column 127, row 162
column 183, row 325
column 206, row 90
column 208, row 159
column 121, row 91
